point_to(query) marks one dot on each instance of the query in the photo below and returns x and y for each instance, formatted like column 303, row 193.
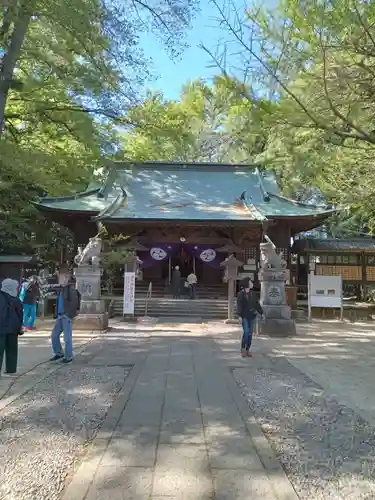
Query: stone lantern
column 231, row 265
column 272, row 276
column 93, row 315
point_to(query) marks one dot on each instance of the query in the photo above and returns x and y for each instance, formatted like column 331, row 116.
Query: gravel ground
column 43, row 431
column 327, row 451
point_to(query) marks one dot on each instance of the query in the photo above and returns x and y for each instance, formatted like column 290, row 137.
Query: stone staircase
column 211, row 302
column 160, row 290
column 204, row 309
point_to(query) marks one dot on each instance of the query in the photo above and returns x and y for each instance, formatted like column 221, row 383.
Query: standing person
column 247, row 308
column 11, row 315
column 176, row 282
column 192, row 282
column 30, row 294
column 67, row 308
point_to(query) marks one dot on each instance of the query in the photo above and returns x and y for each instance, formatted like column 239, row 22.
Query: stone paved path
column 34, row 351
column 180, row 429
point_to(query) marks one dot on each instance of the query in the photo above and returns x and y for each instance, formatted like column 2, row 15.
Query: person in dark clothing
column 68, row 305
column 176, row 283
column 247, row 308
column 11, row 315
column 29, row 296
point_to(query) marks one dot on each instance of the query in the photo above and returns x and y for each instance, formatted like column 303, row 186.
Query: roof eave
column 46, row 208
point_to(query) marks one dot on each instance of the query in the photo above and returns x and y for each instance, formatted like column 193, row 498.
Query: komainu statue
column 90, row 254
column 269, row 258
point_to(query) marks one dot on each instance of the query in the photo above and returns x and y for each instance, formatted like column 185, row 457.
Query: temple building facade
column 187, row 214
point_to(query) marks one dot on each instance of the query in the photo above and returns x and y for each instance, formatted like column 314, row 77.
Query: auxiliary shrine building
column 187, row 214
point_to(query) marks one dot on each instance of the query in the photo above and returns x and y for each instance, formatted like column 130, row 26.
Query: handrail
column 148, row 296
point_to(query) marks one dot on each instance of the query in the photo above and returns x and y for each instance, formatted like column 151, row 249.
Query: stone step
column 174, row 307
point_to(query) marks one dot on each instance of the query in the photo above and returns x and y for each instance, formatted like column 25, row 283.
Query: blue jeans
column 247, row 336
column 63, row 324
column 29, row 315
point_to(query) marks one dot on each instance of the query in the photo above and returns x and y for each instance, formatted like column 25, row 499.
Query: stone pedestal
column 92, row 314
column 278, row 317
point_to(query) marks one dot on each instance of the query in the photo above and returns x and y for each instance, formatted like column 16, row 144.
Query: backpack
column 74, row 302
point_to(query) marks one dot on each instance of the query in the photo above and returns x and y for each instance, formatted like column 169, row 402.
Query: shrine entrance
column 200, row 259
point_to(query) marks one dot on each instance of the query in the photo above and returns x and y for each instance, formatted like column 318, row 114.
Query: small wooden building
column 17, row 267
column 353, row 259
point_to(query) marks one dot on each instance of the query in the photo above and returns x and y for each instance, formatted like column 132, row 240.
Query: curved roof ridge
column 178, row 165
column 112, row 208
column 254, row 210
column 76, row 196
column 301, row 203
column 265, row 193
column 181, row 163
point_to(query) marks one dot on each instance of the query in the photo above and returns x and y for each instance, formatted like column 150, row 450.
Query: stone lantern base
column 278, row 317
column 91, row 322
column 92, row 315
column 275, row 327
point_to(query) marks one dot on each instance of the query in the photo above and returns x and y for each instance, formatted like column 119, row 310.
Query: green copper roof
column 171, row 191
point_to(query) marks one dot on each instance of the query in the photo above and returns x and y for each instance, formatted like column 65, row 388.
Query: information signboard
column 325, row 291
column 129, row 293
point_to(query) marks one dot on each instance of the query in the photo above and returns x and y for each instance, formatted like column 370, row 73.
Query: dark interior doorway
column 185, row 263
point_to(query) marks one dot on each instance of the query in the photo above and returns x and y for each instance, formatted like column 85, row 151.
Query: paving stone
column 234, row 453
column 173, row 481
column 141, row 416
column 182, row 402
column 127, row 483
column 242, row 485
column 177, row 431
column 182, row 415
column 185, row 496
column 214, row 416
column 189, row 456
column 134, row 447
column 215, row 431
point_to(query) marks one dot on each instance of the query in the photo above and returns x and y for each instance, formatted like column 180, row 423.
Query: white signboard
column 129, row 293
column 325, row 291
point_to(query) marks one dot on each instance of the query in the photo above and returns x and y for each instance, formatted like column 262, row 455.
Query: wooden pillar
column 231, row 265
column 364, row 277
column 231, row 294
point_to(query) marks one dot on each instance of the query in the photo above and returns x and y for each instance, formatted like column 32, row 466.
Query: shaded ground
column 326, row 449
column 312, row 395
column 44, row 431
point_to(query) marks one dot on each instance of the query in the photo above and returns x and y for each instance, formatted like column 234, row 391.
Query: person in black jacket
column 11, row 316
column 247, row 308
column 67, row 308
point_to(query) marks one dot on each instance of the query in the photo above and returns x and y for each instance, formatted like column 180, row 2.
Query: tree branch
column 318, row 123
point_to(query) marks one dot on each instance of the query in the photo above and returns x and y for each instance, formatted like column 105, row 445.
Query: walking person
column 176, row 282
column 29, row 295
column 192, row 283
column 11, row 316
column 67, row 308
column 247, row 308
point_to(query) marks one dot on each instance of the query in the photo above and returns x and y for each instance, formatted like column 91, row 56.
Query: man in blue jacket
column 67, row 308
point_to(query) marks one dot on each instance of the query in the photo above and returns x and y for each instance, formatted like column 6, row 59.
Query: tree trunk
column 10, row 60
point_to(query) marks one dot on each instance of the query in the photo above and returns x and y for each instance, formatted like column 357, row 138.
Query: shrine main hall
column 187, row 214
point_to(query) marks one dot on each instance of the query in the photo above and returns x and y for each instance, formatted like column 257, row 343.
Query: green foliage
column 208, row 123
column 114, row 256
column 69, row 70
column 315, row 61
